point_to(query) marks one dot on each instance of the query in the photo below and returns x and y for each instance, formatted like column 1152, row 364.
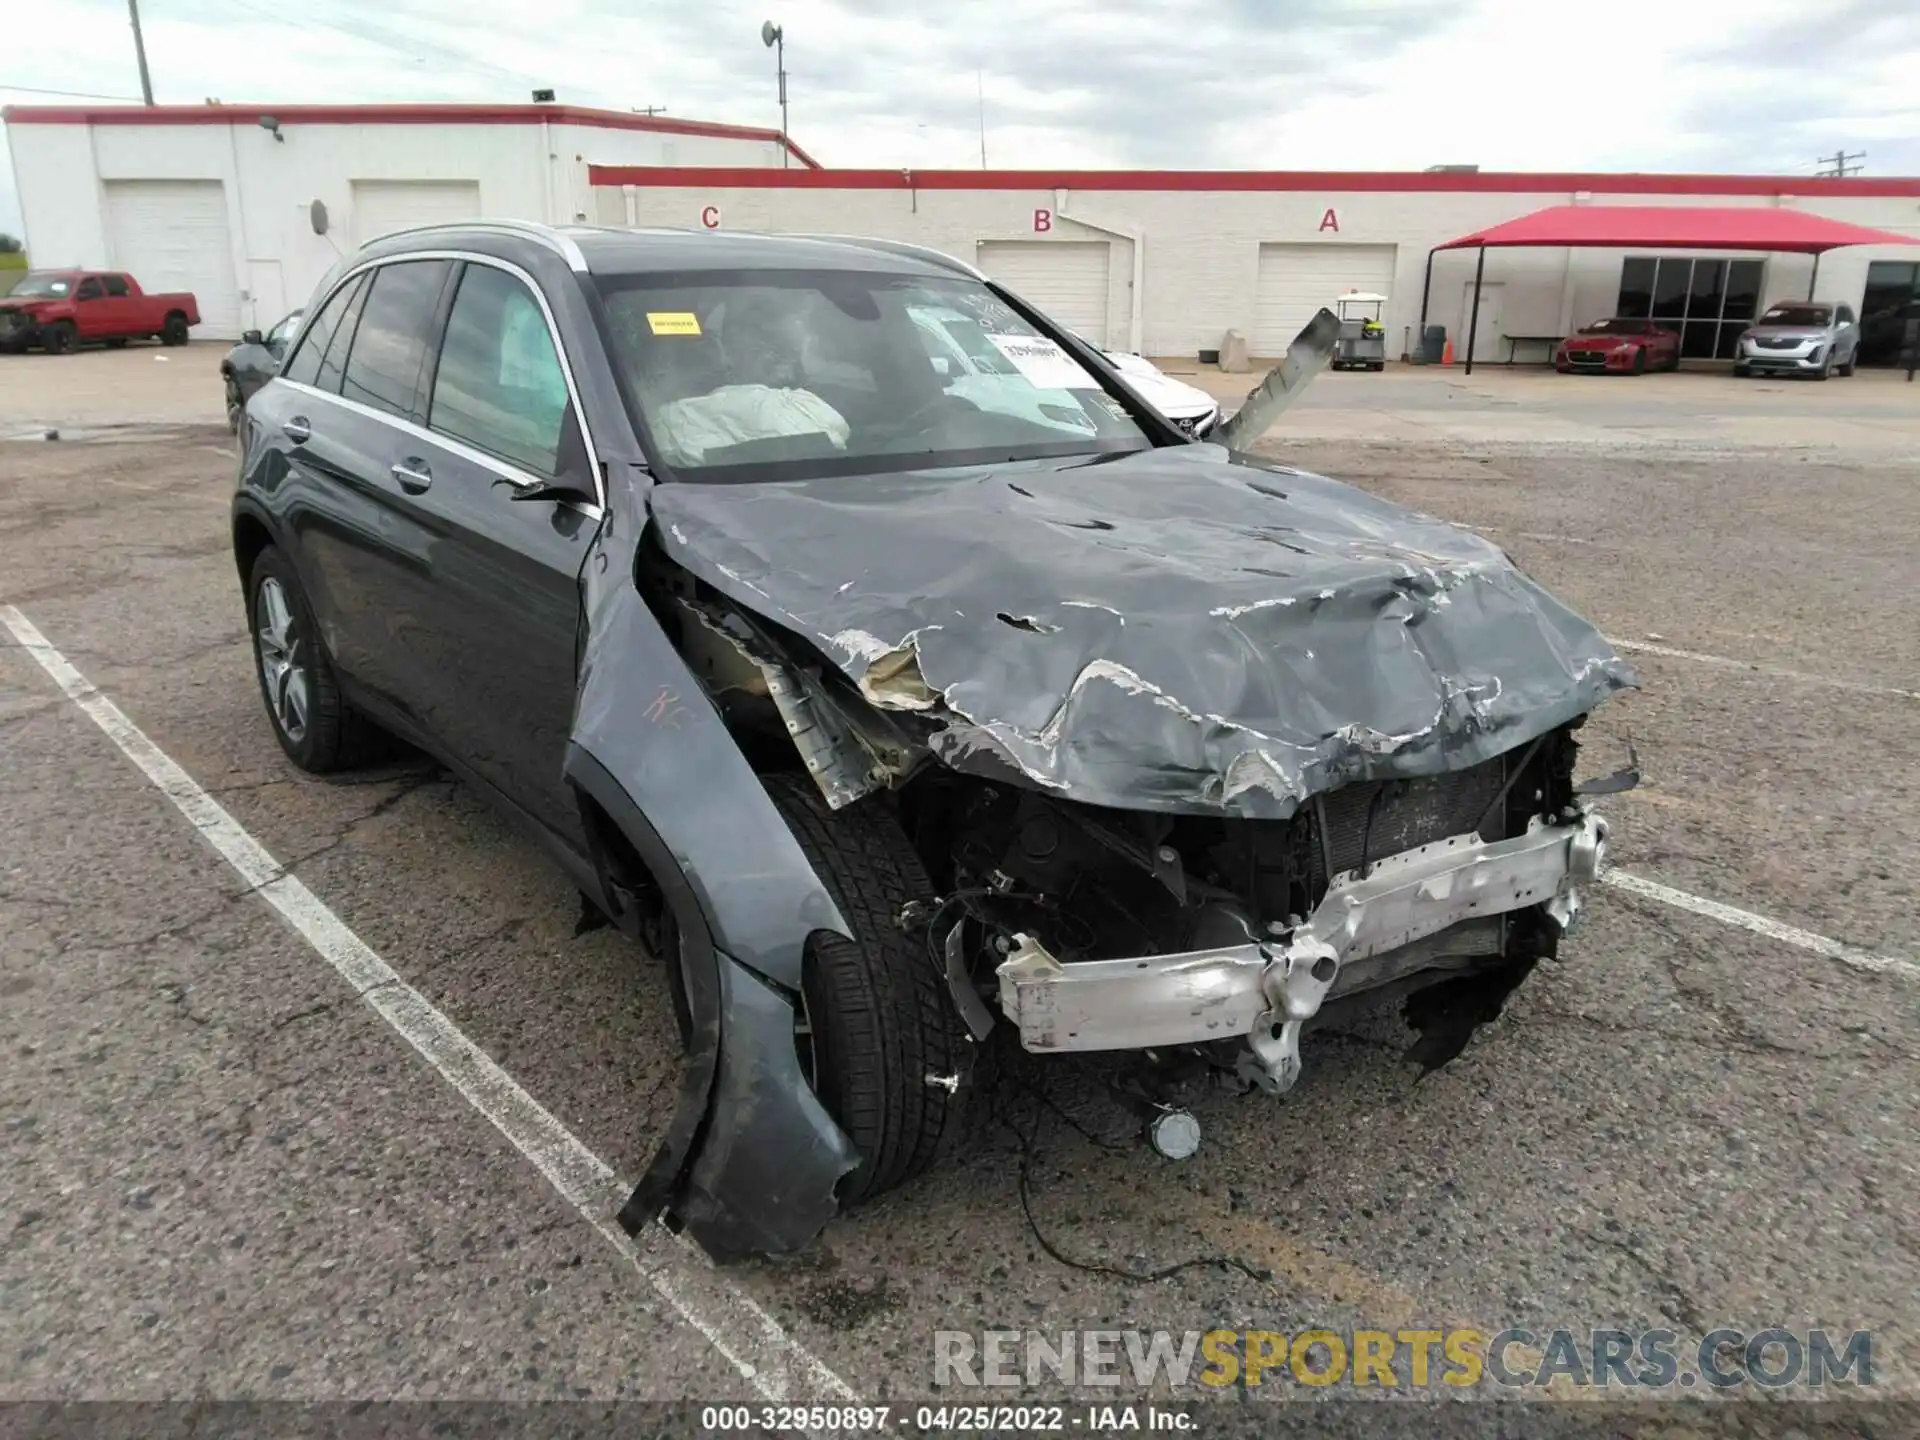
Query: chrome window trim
column 513, row 472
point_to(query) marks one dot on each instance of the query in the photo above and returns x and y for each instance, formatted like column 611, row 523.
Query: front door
column 1489, row 340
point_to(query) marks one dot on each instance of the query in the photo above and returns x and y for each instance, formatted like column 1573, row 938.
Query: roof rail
column 553, row 238
column 902, row 247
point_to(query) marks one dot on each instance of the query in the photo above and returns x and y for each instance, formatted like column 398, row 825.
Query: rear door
column 496, row 655
column 116, row 310
column 90, row 309
column 347, row 411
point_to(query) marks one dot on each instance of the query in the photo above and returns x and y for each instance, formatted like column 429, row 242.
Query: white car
column 1187, row 406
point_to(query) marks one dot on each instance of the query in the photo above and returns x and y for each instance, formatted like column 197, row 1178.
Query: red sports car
column 1633, row 346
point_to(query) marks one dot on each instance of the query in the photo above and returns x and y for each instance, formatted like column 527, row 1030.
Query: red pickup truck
column 59, row 309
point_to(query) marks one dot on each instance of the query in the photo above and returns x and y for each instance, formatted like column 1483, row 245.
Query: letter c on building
column 710, row 217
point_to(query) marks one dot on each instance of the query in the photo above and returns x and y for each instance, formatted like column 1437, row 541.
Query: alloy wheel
column 282, row 667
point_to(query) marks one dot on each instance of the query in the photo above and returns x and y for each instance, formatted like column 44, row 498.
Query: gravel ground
column 221, row 1176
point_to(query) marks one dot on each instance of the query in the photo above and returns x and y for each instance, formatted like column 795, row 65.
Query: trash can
column 1433, row 344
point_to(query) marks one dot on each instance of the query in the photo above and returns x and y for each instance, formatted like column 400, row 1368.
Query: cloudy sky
column 1722, row 85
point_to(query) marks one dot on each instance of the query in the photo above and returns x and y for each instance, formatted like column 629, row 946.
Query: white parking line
column 776, row 1365
column 1761, row 925
column 1759, row 667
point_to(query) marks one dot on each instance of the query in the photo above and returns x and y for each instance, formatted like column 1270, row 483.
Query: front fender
column 751, row 1158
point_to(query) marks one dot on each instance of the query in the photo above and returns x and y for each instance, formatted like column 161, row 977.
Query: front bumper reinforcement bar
column 1265, row 989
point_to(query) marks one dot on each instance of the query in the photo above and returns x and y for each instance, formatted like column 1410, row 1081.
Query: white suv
column 1799, row 337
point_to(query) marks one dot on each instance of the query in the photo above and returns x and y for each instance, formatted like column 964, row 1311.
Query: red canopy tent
column 1659, row 227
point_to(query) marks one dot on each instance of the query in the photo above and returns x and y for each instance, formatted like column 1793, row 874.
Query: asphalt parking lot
column 222, row 1174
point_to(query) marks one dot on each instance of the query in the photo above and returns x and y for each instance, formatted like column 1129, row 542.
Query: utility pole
column 140, row 52
column 1839, row 161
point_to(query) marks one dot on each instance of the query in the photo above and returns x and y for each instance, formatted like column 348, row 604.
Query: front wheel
column 173, row 331
column 1640, row 361
column 60, row 338
column 236, row 405
column 883, row 1047
column 1853, row 359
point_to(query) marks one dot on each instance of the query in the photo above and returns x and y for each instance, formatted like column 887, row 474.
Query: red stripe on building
column 1217, row 181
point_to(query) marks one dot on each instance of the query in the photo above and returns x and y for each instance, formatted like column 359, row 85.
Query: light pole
column 773, row 36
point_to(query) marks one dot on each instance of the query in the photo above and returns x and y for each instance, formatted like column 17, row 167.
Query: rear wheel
column 311, row 719
column 886, row 1052
column 173, row 331
column 59, row 338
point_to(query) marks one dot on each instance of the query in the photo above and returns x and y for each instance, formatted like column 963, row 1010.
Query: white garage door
column 382, row 206
column 172, row 235
column 1065, row 279
column 1297, row 280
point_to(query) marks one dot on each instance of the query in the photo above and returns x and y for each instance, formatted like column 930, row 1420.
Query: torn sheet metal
column 1175, row 629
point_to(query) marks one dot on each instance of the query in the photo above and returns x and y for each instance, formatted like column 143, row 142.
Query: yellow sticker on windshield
column 673, row 322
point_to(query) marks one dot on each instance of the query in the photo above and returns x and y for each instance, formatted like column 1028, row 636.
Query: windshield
column 769, row 375
column 1797, row 315
column 42, row 285
column 1617, row 327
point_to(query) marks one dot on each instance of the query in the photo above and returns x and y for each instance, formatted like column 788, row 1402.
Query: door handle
column 298, row 430
column 413, row 475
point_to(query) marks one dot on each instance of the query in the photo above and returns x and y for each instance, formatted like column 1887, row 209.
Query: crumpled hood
column 1171, row 630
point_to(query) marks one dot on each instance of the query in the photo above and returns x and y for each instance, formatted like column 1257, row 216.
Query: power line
column 69, row 94
column 1839, row 163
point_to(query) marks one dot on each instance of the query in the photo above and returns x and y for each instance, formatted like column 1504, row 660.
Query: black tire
column 173, row 330
column 1640, row 360
column 1825, row 370
column 236, row 405
column 880, row 1019
column 59, row 338
column 1852, row 360
column 1741, row 372
column 330, row 735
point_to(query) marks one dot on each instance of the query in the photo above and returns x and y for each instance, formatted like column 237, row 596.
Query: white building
column 221, row 200
column 1166, row 262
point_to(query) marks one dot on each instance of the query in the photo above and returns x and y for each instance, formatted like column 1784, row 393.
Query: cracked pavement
column 221, row 1175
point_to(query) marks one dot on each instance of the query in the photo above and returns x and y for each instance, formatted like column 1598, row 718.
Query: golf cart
column 1362, row 344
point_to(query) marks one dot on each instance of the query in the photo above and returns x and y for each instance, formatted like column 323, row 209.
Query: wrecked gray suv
column 900, row 712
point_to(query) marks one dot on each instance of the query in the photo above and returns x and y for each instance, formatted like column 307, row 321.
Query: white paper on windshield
column 1044, row 364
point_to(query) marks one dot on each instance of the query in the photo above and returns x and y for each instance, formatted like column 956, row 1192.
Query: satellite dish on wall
column 317, row 216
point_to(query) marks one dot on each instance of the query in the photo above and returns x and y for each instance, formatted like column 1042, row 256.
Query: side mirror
column 252, row 337
column 561, row 490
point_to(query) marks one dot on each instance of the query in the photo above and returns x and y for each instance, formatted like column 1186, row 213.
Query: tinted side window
column 305, row 364
column 116, row 285
column 335, row 360
column 89, row 290
column 393, row 334
column 499, row 385
column 1846, row 315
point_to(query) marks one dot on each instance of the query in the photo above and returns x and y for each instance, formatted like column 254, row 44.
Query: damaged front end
column 1190, row 752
